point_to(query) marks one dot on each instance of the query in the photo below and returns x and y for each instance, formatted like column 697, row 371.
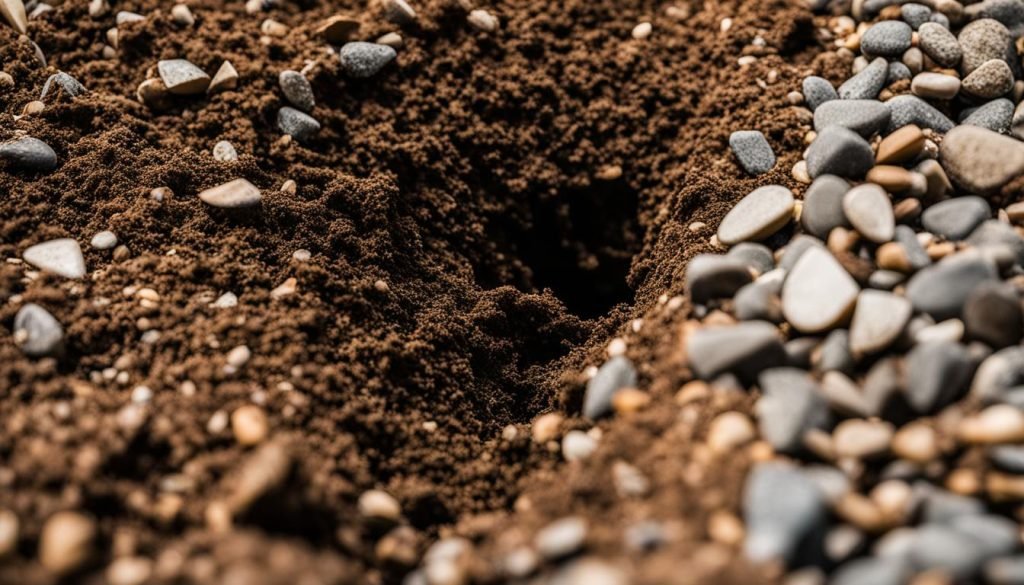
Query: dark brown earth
column 471, row 256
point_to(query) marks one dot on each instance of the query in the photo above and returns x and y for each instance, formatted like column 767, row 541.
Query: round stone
column 758, row 215
column 862, row 439
column 297, row 124
column 224, row 151
column 888, row 38
column 818, row 294
column 991, row 79
column 980, row 160
column 865, row 117
column 104, row 240
column 869, row 210
column 37, row 332
column 29, row 153
column 939, row 44
column 231, row 195
column 956, row 218
column 981, row 41
column 66, row 542
column 816, row 91
column 878, row 319
column 839, row 151
column 380, row 505
column 901, row 146
column 562, row 537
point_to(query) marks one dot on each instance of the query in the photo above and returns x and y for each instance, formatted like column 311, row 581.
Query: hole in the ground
column 580, row 244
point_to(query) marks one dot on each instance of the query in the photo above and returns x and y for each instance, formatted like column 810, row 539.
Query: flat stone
column 62, row 82
column 823, row 206
column 760, row 214
column 781, row 506
column 993, row 314
column 991, row 79
column 935, row 86
column 983, row 40
column 361, row 60
column 867, row 207
column 791, row 404
column 711, row 276
column 865, row 117
column 937, row 373
column 942, row 288
column 744, row 349
column 817, row 91
column 818, row 294
column 861, row 438
column 62, row 257
column 839, row 151
column 868, row 83
column 888, row 38
column 297, row 124
column 980, row 160
column 996, row 115
column 37, row 332
column 614, row 375
column 998, row 424
column 901, row 146
column 297, row 90
column 908, row 109
column 942, row 548
column 878, row 320
column 753, row 151
column 939, row 44
column 29, row 153
column 232, row 195
column 956, row 218
column 181, row 77
column 562, row 537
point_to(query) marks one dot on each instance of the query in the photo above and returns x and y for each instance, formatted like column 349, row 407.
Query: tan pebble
column 238, row 356
column 14, row 12
column 746, row 60
column 907, row 210
column 861, row 438
column 730, row 430
column 378, row 504
column 795, row 98
column 482, row 20
column 153, row 94
column 609, row 173
column 129, row 571
column 182, row 15
column 726, row 528
column 545, row 427
column 147, row 294
column 224, row 79
column 33, row 107
column 893, row 498
column 218, row 517
column 964, row 482
column 1001, row 423
column 66, row 542
column 841, row 240
column 861, row 512
column 273, row 28
column 630, row 400
column 761, row 451
column 1015, row 212
column 892, row 178
column 1003, row 486
column 391, row 39
column 697, row 226
column 939, row 250
column 891, row 256
column 10, row 529
column 160, row 194
column 692, row 391
column 284, row 289
column 338, row 29
column 642, row 31
column 112, row 36
column 916, row 442
column 249, row 424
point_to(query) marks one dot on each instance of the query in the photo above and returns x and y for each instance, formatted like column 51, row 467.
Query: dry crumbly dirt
column 465, row 176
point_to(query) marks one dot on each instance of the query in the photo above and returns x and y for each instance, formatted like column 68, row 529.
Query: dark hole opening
column 580, row 244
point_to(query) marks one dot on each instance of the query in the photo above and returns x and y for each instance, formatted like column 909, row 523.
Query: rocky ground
column 440, row 293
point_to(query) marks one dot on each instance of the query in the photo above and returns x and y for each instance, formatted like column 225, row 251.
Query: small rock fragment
column 62, row 257
column 233, row 194
column 226, row 78
column 66, row 542
column 818, row 294
column 37, row 332
column 29, row 153
column 297, row 90
column 614, row 375
column 753, row 151
column 297, row 124
column 758, row 215
column 362, row 60
column 181, row 77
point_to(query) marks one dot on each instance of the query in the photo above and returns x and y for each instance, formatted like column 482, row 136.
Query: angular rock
column 61, row 81
column 901, row 146
column 744, row 349
column 818, row 294
column 362, row 60
column 37, row 332
column 839, row 151
column 297, row 124
column 878, row 320
column 181, row 77
column 62, row 257
column 614, row 375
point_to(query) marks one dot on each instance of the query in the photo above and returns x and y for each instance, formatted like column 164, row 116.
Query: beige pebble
column 482, row 20
column 726, row 528
column 182, row 15
column 391, row 39
column 289, row 187
column 1001, row 423
column 338, row 29
column 273, row 28
column 238, row 356
column 861, row 438
column 286, row 288
column 894, row 499
column 249, row 424
column 224, row 79
column 129, row 571
column 379, row 505
column 642, row 31
column 916, row 442
column 545, row 427
column 730, row 430
column 66, row 542
column 10, row 528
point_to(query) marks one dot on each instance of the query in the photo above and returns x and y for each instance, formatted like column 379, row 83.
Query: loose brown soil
column 470, row 257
